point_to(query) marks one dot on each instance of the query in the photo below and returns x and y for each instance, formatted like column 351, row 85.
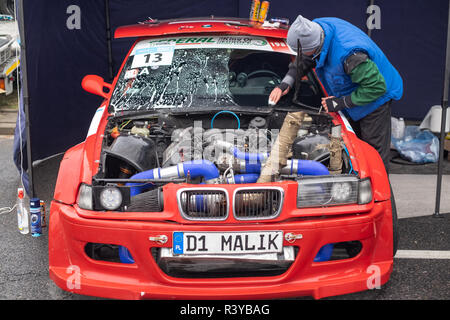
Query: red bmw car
column 189, row 185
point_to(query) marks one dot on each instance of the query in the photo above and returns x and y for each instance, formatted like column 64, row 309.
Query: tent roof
column 200, row 25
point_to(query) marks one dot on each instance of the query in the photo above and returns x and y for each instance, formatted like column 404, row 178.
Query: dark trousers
column 375, row 129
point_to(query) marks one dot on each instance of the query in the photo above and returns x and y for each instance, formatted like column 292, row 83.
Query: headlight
column 110, row 198
column 332, row 191
column 84, row 199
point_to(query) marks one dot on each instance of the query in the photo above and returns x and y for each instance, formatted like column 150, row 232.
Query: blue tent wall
column 57, row 60
column 413, row 36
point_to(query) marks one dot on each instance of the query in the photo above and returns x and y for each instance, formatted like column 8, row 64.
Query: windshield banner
column 214, row 42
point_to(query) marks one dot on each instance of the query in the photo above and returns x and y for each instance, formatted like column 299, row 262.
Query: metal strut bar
column 298, row 78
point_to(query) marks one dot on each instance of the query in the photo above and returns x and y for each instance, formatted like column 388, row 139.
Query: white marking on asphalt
column 422, row 254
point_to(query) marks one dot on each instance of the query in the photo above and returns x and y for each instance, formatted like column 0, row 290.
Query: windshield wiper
column 133, row 114
column 240, row 109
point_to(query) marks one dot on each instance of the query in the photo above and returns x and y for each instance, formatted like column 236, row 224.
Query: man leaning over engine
column 355, row 72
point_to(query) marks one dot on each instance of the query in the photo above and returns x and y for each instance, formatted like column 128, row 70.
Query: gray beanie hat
column 308, row 32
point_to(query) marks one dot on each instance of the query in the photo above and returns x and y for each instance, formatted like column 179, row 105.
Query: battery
column 263, row 11
column 254, row 10
column 35, row 217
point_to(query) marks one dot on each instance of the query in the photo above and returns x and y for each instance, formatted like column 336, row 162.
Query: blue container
column 35, row 217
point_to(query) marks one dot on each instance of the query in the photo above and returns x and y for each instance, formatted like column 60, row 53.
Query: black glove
column 337, row 104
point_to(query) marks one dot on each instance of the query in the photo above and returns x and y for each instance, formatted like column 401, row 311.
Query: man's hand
column 333, row 104
column 324, row 102
column 276, row 95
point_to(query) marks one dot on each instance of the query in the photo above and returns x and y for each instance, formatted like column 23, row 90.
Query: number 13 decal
column 155, row 56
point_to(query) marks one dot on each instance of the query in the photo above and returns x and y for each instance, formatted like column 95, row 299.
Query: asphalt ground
column 24, row 260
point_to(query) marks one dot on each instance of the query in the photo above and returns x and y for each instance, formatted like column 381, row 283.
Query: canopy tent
column 68, row 39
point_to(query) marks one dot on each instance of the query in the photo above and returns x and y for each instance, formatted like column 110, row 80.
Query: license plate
column 191, row 243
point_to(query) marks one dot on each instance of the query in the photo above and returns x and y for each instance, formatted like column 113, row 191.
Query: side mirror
column 95, row 84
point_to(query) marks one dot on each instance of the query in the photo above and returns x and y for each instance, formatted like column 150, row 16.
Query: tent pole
column 443, row 122
column 26, row 98
column 369, row 31
column 108, row 40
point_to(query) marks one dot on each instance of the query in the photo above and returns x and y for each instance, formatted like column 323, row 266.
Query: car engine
column 221, row 148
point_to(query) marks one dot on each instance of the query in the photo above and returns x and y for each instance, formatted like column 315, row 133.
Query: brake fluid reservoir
column 140, row 129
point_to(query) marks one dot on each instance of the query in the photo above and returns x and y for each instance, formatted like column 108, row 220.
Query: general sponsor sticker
column 226, row 42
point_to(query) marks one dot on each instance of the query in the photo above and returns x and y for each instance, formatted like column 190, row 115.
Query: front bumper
column 72, row 270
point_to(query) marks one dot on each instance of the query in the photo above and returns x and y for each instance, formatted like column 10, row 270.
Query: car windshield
column 204, row 72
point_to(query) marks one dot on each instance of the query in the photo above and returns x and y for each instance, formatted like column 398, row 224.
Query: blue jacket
column 341, row 40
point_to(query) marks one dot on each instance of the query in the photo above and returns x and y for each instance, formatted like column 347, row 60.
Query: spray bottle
column 35, row 217
column 22, row 213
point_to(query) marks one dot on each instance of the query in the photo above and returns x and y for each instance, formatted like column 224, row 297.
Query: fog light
column 111, row 198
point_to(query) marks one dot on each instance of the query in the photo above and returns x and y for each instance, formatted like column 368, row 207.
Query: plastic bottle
column 22, row 213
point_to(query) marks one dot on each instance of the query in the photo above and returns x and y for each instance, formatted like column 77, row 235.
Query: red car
column 189, row 185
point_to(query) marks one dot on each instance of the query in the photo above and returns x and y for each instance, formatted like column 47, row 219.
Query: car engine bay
column 224, row 147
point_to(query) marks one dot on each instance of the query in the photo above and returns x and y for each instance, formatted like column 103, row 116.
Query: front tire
column 394, row 224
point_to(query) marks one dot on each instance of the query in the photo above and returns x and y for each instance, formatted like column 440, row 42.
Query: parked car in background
column 7, row 7
column 9, row 47
column 9, row 62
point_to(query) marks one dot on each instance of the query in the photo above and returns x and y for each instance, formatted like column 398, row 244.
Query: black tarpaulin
column 60, row 53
